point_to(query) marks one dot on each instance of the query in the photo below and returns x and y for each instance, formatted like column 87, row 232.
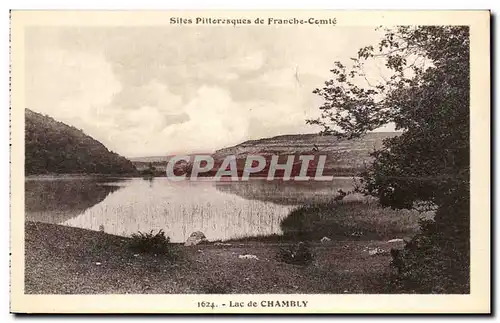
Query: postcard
column 250, row 161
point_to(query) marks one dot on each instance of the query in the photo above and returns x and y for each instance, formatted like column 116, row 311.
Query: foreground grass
column 65, row 260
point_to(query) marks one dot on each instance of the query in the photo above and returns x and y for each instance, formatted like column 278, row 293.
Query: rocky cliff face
column 341, row 154
column 344, row 157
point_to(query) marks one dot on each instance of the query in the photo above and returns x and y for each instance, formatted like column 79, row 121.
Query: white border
column 148, row 4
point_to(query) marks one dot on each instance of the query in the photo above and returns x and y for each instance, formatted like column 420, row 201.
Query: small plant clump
column 150, row 242
column 299, row 254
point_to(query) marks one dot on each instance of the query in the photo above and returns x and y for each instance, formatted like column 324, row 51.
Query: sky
column 154, row 91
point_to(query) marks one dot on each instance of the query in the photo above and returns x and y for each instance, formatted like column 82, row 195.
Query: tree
column 424, row 90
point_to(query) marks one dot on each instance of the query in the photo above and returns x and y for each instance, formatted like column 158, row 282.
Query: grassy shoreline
column 66, row 260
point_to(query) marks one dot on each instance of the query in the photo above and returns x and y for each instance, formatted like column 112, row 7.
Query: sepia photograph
column 250, row 161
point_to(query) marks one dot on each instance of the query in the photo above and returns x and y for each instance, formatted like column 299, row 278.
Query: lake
column 221, row 210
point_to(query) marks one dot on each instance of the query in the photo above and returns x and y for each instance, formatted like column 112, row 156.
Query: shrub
column 299, row 254
column 432, row 263
column 150, row 242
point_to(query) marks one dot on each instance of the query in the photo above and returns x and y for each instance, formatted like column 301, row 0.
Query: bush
column 150, row 242
column 432, row 263
column 299, row 254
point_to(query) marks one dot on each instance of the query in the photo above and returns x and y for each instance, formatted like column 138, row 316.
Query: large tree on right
column 417, row 78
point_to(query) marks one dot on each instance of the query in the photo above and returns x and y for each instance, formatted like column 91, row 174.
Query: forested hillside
column 54, row 147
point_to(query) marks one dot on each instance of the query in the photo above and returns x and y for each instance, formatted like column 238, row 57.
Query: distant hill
column 158, row 160
column 54, row 147
column 150, row 159
column 344, row 157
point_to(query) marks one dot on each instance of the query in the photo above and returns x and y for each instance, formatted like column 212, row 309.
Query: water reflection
column 220, row 210
column 58, row 200
column 179, row 208
column 287, row 192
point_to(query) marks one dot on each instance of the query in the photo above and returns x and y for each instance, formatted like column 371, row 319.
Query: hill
column 54, row 147
column 344, row 157
column 347, row 152
column 150, row 159
column 158, row 162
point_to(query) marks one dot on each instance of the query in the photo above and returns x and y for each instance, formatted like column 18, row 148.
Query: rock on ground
column 248, row 257
column 196, row 238
column 325, row 239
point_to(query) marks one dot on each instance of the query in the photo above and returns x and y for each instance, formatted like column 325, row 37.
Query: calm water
column 220, row 210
